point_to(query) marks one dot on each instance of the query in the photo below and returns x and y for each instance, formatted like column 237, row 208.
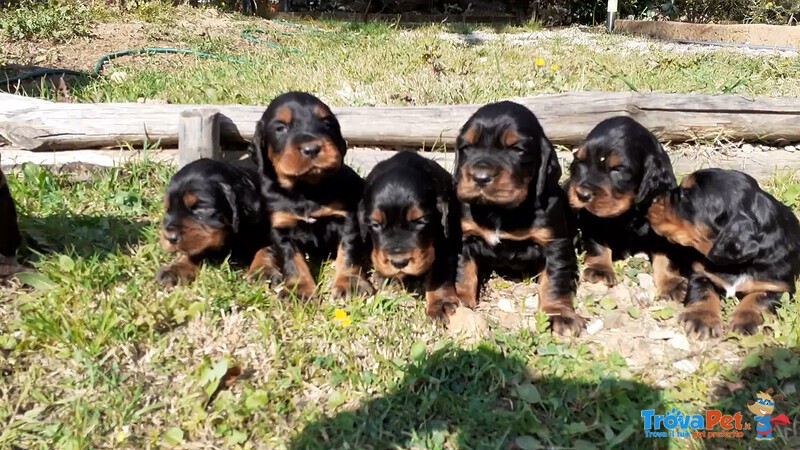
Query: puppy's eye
column 375, row 226
column 419, row 223
column 280, row 128
column 618, row 171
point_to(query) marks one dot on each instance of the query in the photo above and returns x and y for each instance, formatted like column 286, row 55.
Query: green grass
column 93, row 354
column 98, row 356
column 55, row 20
column 387, row 64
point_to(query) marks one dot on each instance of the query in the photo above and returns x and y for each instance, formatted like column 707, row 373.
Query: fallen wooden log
column 761, row 165
column 566, row 118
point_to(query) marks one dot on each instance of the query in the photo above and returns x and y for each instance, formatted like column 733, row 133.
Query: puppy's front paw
column 565, row 322
column 265, row 277
column 302, row 288
column 701, row 321
column 168, row 277
column 600, row 275
column 745, row 320
column 674, row 289
column 467, row 295
column 441, row 308
column 349, row 286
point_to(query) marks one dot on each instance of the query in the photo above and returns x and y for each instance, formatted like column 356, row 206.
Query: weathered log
column 198, row 135
column 761, row 165
column 566, row 118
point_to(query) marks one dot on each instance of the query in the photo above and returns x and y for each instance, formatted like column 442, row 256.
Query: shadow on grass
column 777, row 368
column 85, row 236
column 483, row 399
column 55, row 86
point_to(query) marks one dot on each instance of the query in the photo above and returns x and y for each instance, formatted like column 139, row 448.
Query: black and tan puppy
column 215, row 209
column 614, row 177
column 10, row 238
column 313, row 195
column 750, row 240
column 515, row 216
column 411, row 216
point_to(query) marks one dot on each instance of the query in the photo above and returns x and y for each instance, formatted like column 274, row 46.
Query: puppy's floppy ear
column 454, row 172
column 230, row 196
column 256, row 147
column 658, row 176
column 362, row 220
column 336, row 135
column 550, row 169
column 443, row 206
column 736, row 243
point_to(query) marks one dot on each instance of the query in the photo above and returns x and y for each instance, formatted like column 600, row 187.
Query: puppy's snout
column 482, row 175
column 310, row 150
column 399, row 261
column 584, row 194
column 172, row 237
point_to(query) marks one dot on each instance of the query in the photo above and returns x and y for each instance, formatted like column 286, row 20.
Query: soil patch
column 750, row 34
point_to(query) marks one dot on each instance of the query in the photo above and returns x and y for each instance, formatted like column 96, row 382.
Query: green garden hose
column 98, row 67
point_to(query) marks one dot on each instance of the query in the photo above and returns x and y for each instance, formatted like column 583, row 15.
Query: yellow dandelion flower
column 341, row 317
column 539, row 62
column 554, row 67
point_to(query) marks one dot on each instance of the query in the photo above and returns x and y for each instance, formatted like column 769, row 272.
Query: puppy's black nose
column 482, row 177
column 310, row 150
column 401, row 262
column 172, row 237
column 583, row 194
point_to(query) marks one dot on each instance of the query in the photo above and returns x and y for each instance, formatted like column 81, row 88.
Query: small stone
column 532, row 301
column 790, row 148
column 643, row 298
column 594, row 327
column 685, row 365
column 506, row 305
column 118, row 77
column 647, row 284
column 645, row 280
column 621, row 293
column 613, row 319
column 734, row 386
column 747, row 148
column 468, row 324
column 680, row 342
column 663, row 384
column 661, row 334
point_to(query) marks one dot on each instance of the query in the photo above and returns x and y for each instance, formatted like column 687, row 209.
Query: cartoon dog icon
column 762, row 409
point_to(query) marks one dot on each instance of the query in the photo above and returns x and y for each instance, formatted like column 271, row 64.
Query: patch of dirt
column 751, row 34
column 657, row 347
column 599, row 41
column 82, row 54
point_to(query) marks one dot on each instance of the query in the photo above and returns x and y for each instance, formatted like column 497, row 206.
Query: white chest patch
column 730, row 290
column 493, row 238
